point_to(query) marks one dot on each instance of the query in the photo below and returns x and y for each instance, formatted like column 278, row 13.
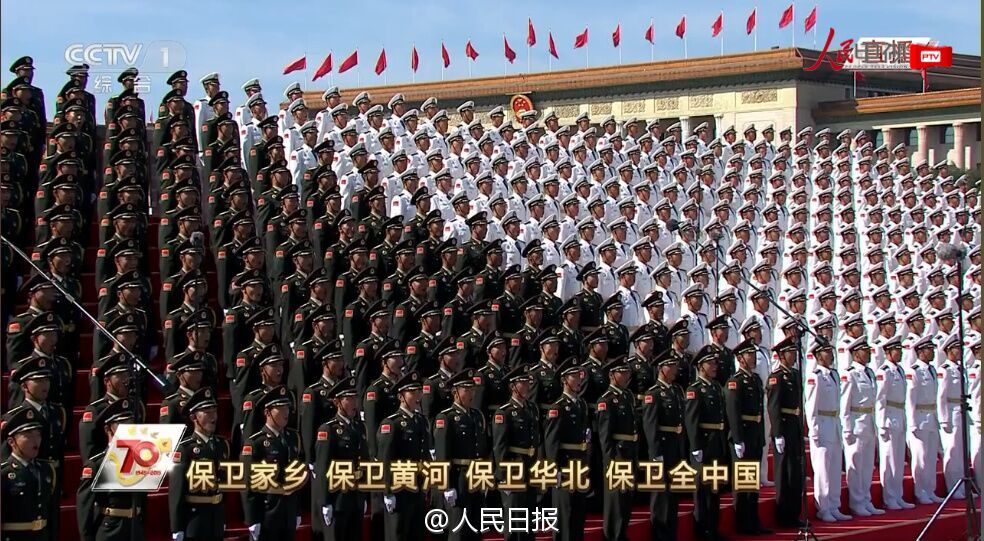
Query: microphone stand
column 136, row 360
column 955, row 256
column 806, row 530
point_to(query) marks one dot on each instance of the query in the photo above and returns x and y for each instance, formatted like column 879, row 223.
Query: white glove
column 885, row 435
column 365, row 506
column 254, row 532
column 658, row 459
column 587, row 434
column 946, row 427
column 850, row 438
column 780, row 445
column 362, row 415
column 451, row 496
column 178, row 536
column 326, row 514
column 433, row 453
column 390, row 503
column 311, row 467
column 297, row 523
column 698, row 455
column 740, row 450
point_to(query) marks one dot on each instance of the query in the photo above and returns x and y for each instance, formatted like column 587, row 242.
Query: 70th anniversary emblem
column 139, row 457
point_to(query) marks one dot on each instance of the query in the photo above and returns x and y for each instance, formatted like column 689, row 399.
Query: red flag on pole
column 510, row 54
column 651, row 34
column 381, row 62
column 530, row 33
column 414, row 59
column 350, row 62
column 324, row 69
column 299, row 64
column 718, row 24
column 581, row 40
column 750, row 23
column 811, row 19
column 925, row 80
column 681, row 28
column 617, row 35
column 552, row 47
column 445, row 56
column 787, row 17
column 470, row 51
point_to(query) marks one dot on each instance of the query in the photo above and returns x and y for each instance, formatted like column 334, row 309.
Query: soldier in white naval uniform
column 921, row 420
column 858, row 419
column 890, row 422
column 826, row 444
column 948, row 409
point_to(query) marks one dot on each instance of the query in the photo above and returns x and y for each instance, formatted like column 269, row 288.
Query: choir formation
column 396, row 283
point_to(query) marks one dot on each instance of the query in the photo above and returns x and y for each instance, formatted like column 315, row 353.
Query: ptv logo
column 926, row 56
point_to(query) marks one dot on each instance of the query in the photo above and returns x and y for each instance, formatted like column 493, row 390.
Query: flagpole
column 722, row 32
column 305, row 70
column 755, row 31
column 331, row 73
column 549, row 54
column 814, row 30
column 652, row 43
column 793, row 24
column 618, row 27
column 685, row 39
column 528, row 23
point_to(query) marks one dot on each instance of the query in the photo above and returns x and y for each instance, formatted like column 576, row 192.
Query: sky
column 257, row 38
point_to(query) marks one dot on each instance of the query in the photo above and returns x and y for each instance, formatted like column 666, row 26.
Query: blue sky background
column 258, row 38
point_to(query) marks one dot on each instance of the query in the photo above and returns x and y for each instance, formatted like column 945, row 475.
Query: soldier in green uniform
column 437, row 395
column 617, row 435
column 421, row 356
column 460, row 436
column 197, row 515
column 548, row 297
column 372, row 224
column 532, row 283
column 744, row 400
column 707, row 432
column 316, row 331
column 566, row 439
column 273, row 515
column 395, row 287
column 41, row 295
column 115, row 375
column 295, row 288
column 523, row 347
column 237, row 328
column 589, row 299
column 655, row 305
column 124, row 328
column 472, row 254
column 355, row 318
column 663, row 426
column 644, row 371
column 405, row 326
column 187, row 372
column 679, row 340
column 364, row 362
column 171, row 294
column 404, row 435
column 116, row 514
column 442, row 285
column 29, row 486
column 571, row 339
column 194, row 288
column 784, row 401
column 342, row 290
column 296, row 327
column 382, row 255
column 456, row 320
column 428, row 253
column 516, row 438
column 284, row 231
column 230, row 258
column 243, row 376
column 416, row 229
column 337, row 515
column 316, row 407
column 473, row 340
column 718, row 329
column 492, row 389
column 618, row 334
column 509, row 315
column 546, row 386
column 268, row 366
column 34, row 378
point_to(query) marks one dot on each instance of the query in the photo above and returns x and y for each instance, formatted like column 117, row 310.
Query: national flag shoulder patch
column 499, row 419
column 370, row 396
column 322, row 435
column 87, row 417
column 385, row 428
column 553, row 413
column 773, row 381
column 176, row 457
column 306, row 397
column 439, row 423
column 691, row 395
column 164, row 410
column 247, row 450
column 86, row 472
column 732, row 384
column 248, row 405
column 240, row 361
column 648, row 399
column 602, row 406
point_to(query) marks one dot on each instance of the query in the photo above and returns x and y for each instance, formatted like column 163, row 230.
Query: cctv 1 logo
column 156, row 56
column 139, row 457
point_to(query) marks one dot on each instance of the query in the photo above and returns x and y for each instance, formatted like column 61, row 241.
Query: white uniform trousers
column 827, row 459
column 952, row 450
column 860, row 461
column 924, row 447
column 891, row 466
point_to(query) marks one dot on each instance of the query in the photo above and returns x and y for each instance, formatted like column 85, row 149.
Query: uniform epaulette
column 257, row 434
column 849, row 368
column 172, row 395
